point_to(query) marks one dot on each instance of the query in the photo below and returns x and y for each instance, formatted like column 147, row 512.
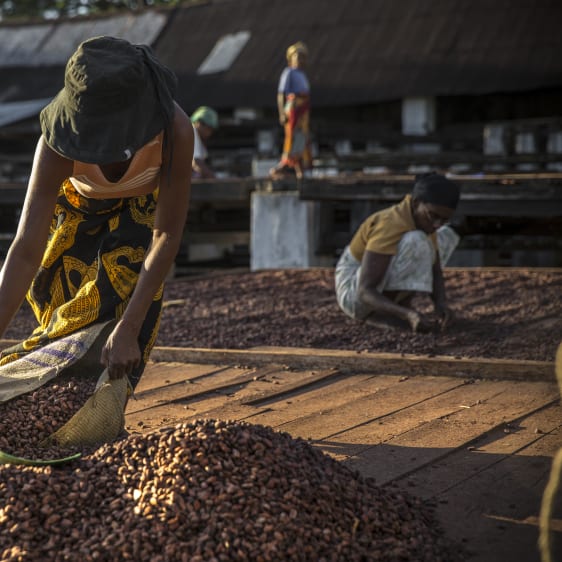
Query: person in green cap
column 205, row 122
column 105, row 208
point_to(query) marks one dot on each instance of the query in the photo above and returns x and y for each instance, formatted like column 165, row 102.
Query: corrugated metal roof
column 364, row 51
column 361, row 51
column 53, row 43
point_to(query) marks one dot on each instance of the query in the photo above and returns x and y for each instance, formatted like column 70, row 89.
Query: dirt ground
column 506, row 313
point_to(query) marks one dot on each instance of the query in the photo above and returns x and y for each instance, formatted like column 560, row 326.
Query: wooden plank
column 497, row 487
column 191, row 389
column 352, row 361
column 160, row 375
column 202, row 389
column 524, row 195
column 341, row 390
column 232, row 400
column 439, row 438
column 319, row 400
column 158, row 414
column 298, row 386
column 349, row 443
column 540, row 430
column 371, row 406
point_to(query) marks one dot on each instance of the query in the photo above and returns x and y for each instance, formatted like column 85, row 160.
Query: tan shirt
column 141, row 178
column 382, row 231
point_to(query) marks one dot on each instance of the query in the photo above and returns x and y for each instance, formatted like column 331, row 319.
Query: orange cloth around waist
column 141, row 178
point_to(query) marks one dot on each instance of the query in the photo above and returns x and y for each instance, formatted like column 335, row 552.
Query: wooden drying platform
column 474, row 437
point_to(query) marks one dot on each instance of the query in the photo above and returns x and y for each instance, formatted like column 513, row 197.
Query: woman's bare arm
column 373, row 270
column 121, row 353
column 48, row 172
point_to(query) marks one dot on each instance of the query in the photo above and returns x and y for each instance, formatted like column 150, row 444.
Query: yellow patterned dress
column 90, row 268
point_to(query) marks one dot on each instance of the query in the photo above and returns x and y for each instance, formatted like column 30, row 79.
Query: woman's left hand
column 121, row 352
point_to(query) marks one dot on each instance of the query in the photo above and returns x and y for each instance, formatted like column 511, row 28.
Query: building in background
column 466, row 87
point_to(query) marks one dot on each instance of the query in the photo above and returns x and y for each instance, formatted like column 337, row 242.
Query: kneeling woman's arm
column 373, row 270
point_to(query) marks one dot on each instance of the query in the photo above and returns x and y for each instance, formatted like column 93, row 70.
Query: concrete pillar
column 418, row 115
column 282, row 231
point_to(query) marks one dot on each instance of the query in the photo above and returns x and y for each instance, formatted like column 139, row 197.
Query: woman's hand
column 418, row 323
column 446, row 317
column 282, row 119
column 121, row 352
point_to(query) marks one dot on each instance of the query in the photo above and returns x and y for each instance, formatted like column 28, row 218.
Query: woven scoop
column 99, row 420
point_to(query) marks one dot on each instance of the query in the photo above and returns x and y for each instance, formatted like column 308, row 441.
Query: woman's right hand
column 121, row 353
column 282, row 119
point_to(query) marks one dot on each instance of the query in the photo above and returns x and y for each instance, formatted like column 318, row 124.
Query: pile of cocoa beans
column 210, row 491
column 27, row 420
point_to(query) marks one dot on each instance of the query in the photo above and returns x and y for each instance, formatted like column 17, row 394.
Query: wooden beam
column 352, row 362
column 503, row 195
column 510, row 187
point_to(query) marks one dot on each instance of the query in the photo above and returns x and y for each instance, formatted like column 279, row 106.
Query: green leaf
column 6, row 458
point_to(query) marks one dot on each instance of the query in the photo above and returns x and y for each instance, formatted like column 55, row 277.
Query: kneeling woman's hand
column 446, row 317
column 418, row 323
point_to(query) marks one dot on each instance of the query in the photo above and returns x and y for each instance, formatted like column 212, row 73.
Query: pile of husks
column 209, row 491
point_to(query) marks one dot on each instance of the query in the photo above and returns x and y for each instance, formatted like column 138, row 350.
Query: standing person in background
column 205, row 122
column 105, row 208
column 293, row 105
column 398, row 252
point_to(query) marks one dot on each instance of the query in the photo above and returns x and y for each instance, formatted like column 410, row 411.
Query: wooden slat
column 298, row 386
column 322, row 400
column 540, row 430
column 188, row 390
column 243, row 400
column 351, row 361
column 160, row 375
column 372, row 405
column 388, row 427
column 497, row 487
column 442, row 436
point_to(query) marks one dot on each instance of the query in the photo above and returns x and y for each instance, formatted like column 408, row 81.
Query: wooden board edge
column 376, row 363
column 353, row 361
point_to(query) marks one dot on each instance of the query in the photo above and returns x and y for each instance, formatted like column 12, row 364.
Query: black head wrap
column 116, row 98
column 437, row 190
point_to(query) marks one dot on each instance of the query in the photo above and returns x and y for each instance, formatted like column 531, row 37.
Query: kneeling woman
column 105, row 208
column 398, row 252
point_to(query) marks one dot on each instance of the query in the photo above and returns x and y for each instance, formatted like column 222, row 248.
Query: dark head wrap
column 437, row 190
column 116, row 97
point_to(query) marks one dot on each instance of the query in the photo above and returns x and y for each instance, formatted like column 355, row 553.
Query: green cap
column 206, row 115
